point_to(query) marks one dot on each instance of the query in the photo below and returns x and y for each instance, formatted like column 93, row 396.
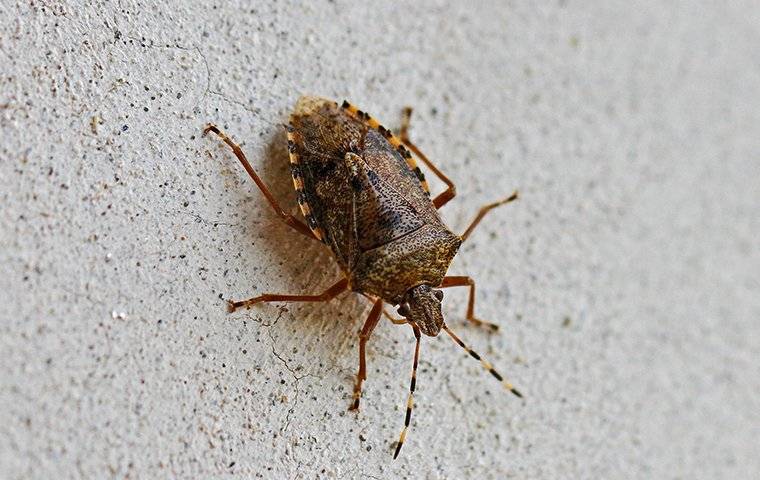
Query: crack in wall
column 293, row 371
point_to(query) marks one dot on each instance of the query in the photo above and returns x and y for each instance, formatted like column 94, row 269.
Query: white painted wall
column 630, row 128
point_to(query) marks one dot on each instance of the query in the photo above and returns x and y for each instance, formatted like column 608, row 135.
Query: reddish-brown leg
column 442, row 198
column 366, row 332
column 450, row 192
column 482, row 213
column 454, row 281
column 394, row 320
column 328, row 294
column 293, row 222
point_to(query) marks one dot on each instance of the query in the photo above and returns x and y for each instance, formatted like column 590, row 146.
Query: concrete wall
column 625, row 279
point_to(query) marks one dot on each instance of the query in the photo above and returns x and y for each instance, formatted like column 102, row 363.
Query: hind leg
column 442, row 198
column 290, row 220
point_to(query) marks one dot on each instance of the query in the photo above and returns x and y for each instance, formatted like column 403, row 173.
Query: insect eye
column 403, row 310
column 438, row 294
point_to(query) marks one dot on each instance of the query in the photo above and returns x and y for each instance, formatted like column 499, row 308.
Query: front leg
column 364, row 334
column 457, row 281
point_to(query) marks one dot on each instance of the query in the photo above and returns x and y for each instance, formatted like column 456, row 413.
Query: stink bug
column 363, row 195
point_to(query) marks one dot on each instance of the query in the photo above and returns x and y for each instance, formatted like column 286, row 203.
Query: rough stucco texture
column 625, row 279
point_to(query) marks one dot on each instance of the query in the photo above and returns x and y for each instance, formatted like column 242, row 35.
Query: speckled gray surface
column 626, row 279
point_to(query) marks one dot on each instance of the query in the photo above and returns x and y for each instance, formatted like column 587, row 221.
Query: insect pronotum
column 362, row 194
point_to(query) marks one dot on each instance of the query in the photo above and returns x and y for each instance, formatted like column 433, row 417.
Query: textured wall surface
column 625, row 279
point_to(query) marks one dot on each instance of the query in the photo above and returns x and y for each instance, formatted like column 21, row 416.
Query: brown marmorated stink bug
column 362, row 194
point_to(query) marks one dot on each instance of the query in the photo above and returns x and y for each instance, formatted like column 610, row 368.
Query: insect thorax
column 390, row 270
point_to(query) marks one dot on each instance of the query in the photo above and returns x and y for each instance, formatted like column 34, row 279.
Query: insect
column 363, row 195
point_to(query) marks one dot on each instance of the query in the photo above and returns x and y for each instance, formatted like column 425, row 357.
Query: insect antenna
column 486, row 364
column 412, row 385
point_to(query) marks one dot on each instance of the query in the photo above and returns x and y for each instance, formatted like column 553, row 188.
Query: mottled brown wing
column 380, row 213
column 318, row 142
column 394, row 170
column 355, row 190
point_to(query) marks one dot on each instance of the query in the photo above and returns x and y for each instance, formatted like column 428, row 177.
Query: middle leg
column 450, row 192
column 325, row 296
column 482, row 213
column 462, row 281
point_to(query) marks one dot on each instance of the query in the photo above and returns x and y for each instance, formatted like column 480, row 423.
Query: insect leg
column 412, row 385
column 487, row 365
column 287, row 218
column 442, row 198
column 453, row 281
column 328, row 294
column 394, row 320
column 482, row 213
column 369, row 325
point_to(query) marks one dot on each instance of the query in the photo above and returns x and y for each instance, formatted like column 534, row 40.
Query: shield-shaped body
column 364, row 197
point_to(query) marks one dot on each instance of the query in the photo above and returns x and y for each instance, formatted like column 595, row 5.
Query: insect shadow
column 306, row 266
